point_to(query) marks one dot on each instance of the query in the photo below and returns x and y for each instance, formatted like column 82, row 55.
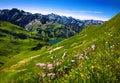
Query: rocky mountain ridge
column 51, row 25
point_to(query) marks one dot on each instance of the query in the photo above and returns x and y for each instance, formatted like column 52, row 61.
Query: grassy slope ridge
column 92, row 56
column 14, row 40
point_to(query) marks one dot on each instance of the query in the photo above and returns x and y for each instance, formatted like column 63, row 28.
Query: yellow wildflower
column 81, row 75
column 93, row 67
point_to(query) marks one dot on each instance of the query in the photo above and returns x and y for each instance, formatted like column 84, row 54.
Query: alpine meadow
column 77, row 45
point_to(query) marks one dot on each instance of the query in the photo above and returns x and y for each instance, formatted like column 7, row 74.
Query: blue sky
column 81, row 9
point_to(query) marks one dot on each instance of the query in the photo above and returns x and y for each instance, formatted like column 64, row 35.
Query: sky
column 80, row 9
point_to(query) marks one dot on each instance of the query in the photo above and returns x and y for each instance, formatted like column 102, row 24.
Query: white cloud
column 84, row 11
column 85, row 17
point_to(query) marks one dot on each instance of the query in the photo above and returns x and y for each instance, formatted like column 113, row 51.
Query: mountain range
column 51, row 25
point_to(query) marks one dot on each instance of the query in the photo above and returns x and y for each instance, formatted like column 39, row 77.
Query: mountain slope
column 14, row 40
column 91, row 56
column 35, row 23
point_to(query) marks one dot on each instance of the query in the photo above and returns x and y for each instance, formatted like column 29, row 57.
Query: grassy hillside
column 53, row 29
column 92, row 56
column 14, row 40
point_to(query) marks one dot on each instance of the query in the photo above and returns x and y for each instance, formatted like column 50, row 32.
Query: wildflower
column 50, row 66
column 86, row 57
column 92, row 67
column 81, row 75
column 106, row 42
column 43, row 74
column 111, row 46
column 98, row 67
column 64, row 55
column 41, row 64
column 93, row 46
column 50, row 74
column 81, row 56
column 58, row 63
column 72, row 61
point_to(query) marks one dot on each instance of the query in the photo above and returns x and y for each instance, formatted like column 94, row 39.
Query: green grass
column 97, row 64
column 14, row 40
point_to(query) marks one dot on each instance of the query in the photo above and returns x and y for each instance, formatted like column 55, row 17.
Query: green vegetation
column 92, row 56
column 14, row 40
column 51, row 29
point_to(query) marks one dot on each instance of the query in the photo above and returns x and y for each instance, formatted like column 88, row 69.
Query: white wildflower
column 111, row 46
column 64, row 55
column 86, row 57
column 72, row 61
column 106, row 42
column 93, row 46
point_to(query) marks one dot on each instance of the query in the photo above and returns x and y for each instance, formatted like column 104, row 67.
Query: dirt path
column 19, row 64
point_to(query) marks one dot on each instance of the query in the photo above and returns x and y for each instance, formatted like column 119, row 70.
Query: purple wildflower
column 50, row 74
column 81, row 56
column 50, row 66
column 41, row 64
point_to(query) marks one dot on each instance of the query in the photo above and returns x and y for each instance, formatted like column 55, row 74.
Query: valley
column 90, row 56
